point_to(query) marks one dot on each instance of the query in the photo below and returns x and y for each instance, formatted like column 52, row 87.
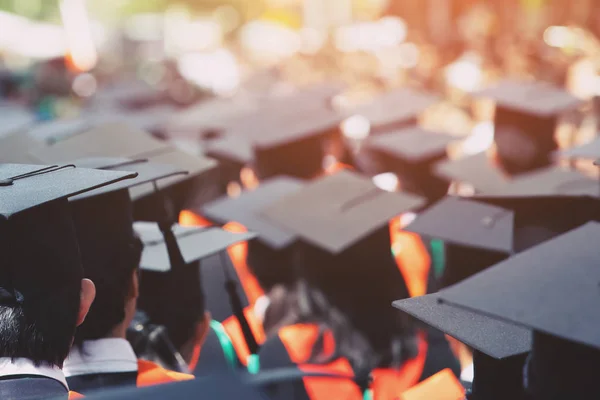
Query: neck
column 119, row 331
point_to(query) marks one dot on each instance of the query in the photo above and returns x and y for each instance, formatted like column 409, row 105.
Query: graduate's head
column 110, row 251
column 43, row 295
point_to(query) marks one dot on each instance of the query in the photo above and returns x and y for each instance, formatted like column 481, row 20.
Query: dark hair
column 40, row 275
column 113, row 281
column 174, row 300
column 270, row 267
column 350, row 295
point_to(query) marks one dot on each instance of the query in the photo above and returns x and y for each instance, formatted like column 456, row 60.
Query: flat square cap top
column 395, row 106
column 476, row 170
column 589, row 150
column 339, row 210
column 246, row 210
column 110, row 140
column 147, row 173
column 24, row 187
column 551, row 181
column 231, row 148
column 536, row 98
column 467, row 223
column 495, row 338
column 412, row 144
column 194, row 243
column 551, row 288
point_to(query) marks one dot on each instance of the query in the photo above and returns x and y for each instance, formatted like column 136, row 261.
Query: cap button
column 6, row 182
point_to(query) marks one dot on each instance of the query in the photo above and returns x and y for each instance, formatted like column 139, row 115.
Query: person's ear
column 88, row 294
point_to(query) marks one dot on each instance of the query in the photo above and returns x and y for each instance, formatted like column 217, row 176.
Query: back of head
column 110, row 253
column 175, row 300
column 269, row 266
column 40, row 275
column 355, row 288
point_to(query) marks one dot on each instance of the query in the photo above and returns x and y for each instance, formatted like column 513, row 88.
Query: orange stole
column 234, row 330
column 441, row 386
column 150, row 374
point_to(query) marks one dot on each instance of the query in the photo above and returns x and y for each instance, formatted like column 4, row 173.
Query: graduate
column 43, row 292
column 337, row 317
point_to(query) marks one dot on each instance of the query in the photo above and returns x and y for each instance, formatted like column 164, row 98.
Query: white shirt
column 101, row 356
column 468, row 373
column 24, row 366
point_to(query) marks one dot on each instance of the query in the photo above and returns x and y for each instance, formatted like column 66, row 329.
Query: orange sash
column 234, row 330
column 150, row 374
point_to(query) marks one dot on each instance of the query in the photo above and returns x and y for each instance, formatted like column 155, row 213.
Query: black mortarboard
column 195, row 243
column 477, row 170
column 39, row 244
column 122, row 141
column 490, row 336
column 395, row 109
column 268, row 255
column 525, row 122
column 476, row 235
column 337, row 211
column 552, row 290
column 411, row 153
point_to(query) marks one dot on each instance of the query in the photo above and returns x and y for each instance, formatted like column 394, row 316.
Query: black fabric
column 86, row 384
column 498, row 379
column 213, row 285
column 439, row 355
column 212, row 358
column 273, row 354
column 30, row 387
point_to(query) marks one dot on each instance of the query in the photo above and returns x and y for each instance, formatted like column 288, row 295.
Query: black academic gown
column 31, row 387
column 86, row 384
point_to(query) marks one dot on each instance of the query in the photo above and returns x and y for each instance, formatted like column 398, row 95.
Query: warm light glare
column 371, row 36
column 82, row 49
column 217, row 70
column 85, row 85
column 234, row 189
column 481, row 138
column 248, row 178
column 387, row 181
column 269, row 41
column 356, row 127
column 406, row 219
column 464, row 74
column 558, row 36
column 30, row 39
column 409, row 55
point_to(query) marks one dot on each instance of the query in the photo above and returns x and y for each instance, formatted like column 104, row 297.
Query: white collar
column 101, row 356
column 24, row 366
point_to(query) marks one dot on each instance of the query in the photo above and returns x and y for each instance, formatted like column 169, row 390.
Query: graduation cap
column 337, row 211
column 14, row 118
column 268, row 255
column 499, row 347
column 525, row 122
column 476, row 235
column 395, row 109
column 551, row 289
column 39, row 239
column 122, row 141
column 477, row 170
column 411, row 154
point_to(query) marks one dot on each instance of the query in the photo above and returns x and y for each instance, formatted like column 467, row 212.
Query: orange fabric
column 412, row 258
column 195, row 357
column 75, row 396
column 388, row 384
column 238, row 253
column 441, row 386
column 234, row 330
column 150, row 374
column 190, row 218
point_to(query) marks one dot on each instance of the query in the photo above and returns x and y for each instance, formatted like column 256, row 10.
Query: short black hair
column 175, row 300
column 41, row 276
column 269, row 266
column 112, row 288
